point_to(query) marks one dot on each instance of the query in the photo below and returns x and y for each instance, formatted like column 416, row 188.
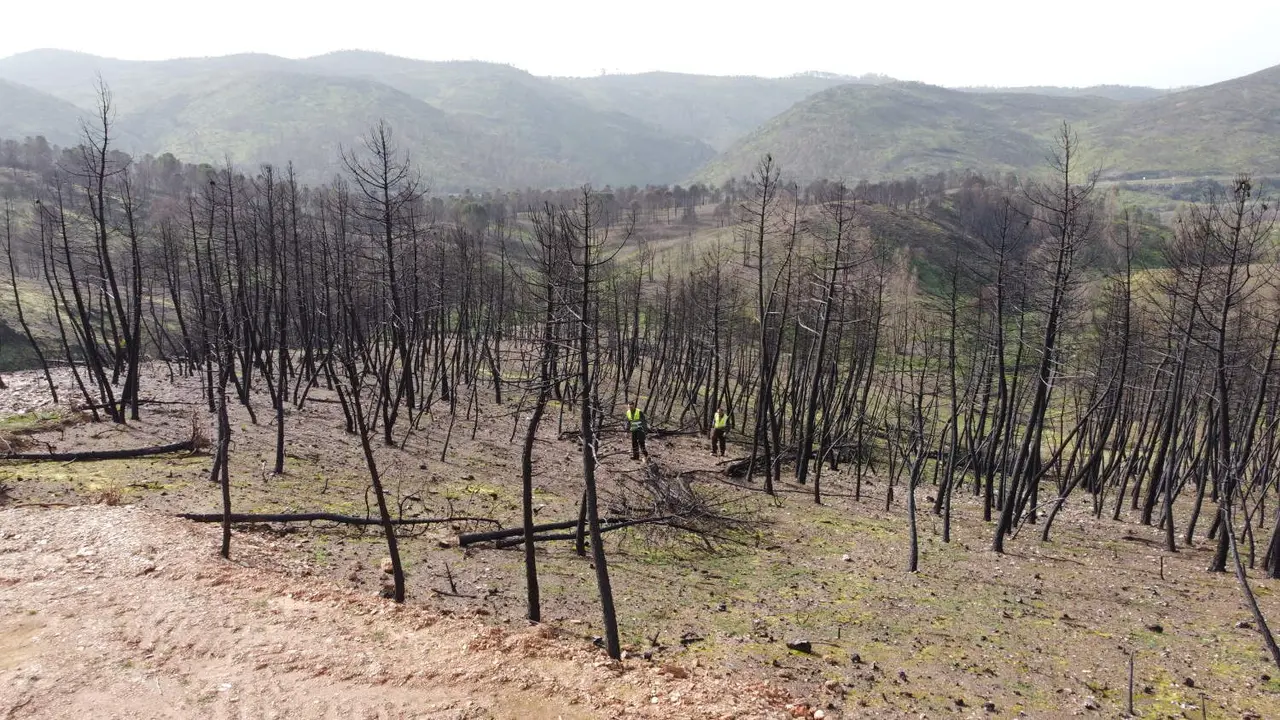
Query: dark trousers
column 717, row 441
column 637, row 444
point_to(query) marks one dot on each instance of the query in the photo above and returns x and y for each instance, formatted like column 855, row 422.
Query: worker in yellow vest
column 638, row 424
column 719, row 429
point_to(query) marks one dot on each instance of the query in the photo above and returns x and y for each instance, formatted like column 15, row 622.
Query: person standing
column 637, row 423
column 719, row 428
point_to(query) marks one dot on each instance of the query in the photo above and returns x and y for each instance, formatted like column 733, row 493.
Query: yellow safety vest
column 721, row 421
column 634, row 418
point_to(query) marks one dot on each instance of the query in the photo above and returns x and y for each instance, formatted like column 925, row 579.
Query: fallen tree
column 512, row 542
column 472, row 538
column 324, row 516
column 192, row 445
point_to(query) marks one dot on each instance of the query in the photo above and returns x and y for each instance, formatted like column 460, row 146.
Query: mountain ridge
column 495, row 125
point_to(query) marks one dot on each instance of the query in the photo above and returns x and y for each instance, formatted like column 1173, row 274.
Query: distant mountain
column 485, row 125
column 1218, row 129
column 879, row 131
column 25, row 111
column 1122, row 93
column 715, row 110
column 476, row 124
column 551, row 134
column 876, row 132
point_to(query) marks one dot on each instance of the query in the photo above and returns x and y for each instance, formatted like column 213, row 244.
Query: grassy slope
column 274, row 117
column 875, row 132
column 487, row 125
column 25, row 111
column 907, row 128
column 1220, row 129
column 533, row 117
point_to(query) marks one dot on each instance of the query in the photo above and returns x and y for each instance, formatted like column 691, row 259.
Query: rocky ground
column 294, row 625
column 119, row 612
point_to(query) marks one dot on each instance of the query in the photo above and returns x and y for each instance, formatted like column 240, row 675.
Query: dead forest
column 1057, row 350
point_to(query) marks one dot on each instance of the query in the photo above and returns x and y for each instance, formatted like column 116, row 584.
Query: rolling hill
column 27, row 111
column 878, row 132
column 716, row 110
column 485, row 125
column 1218, row 129
column 875, row 132
column 477, row 124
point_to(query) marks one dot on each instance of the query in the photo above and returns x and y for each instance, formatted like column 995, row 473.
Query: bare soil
column 125, row 613
column 1043, row 631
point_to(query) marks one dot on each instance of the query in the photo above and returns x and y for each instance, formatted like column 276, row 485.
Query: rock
column 855, row 658
column 1156, row 628
column 387, row 566
column 847, row 557
column 675, row 671
column 902, row 675
column 800, row 711
column 803, row 646
column 832, row 686
column 443, row 544
column 1189, row 682
column 819, row 714
column 1090, row 703
column 989, row 707
column 960, row 702
column 1244, row 625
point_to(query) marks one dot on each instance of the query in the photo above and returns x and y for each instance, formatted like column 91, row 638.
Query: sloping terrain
column 1045, row 629
column 473, row 124
column 877, row 132
column 27, row 112
column 119, row 612
column 486, row 125
column 716, row 110
column 1216, row 130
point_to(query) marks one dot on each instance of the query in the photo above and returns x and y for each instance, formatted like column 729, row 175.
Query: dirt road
column 119, row 612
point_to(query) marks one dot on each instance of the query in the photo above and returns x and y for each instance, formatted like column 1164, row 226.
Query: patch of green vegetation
column 39, row 421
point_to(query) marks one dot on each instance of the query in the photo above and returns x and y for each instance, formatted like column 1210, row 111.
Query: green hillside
column 476, row 124
column 878, row 132
column 716, row 110
column 25, row 111
column 486, row 125
column 274, row 117
column 561, row 137
column 1218, row 129
column 875, row 132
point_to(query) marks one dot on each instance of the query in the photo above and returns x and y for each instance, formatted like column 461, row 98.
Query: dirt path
column 121, row 612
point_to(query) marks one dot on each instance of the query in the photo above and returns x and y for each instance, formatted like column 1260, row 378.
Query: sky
column 1161, row 43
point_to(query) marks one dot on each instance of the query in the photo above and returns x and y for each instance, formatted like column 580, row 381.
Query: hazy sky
column 947, row 42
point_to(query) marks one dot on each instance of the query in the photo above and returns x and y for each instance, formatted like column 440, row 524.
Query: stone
column 803, row 646
column 675, row 671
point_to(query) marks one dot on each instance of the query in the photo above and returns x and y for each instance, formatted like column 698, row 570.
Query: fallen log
column 472, row 538
column 323, row 516
column 512, row 542
column 185, row 446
